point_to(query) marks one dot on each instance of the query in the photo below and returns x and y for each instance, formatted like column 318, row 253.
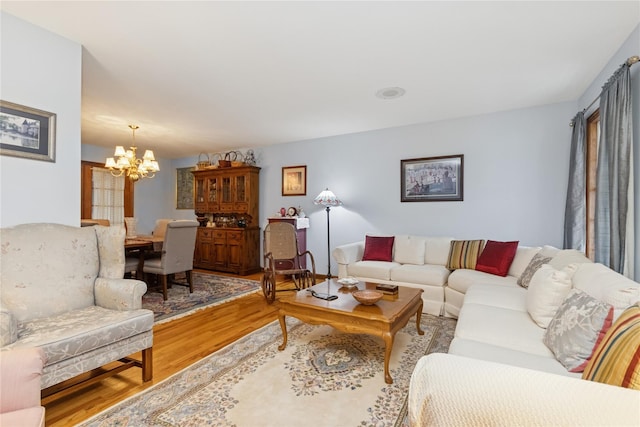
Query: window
column 88, row 198
column 593, row 136
column 107, row 196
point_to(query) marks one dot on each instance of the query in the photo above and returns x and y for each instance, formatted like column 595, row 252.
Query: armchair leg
column 163, row 281
column 189, row 281
column 147, row 364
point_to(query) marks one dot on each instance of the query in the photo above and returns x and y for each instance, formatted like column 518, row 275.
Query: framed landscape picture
column 184, row 188
column 27, row 132
column 294, row 181
column 432, row 179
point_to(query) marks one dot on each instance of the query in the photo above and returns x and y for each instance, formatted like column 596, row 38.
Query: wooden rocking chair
column 282, row 257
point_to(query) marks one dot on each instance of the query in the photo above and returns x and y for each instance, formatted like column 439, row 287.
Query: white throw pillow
column 522, row 259
column 547, row 290
column 409, row 250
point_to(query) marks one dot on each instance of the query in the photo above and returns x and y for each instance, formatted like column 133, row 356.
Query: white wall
column 515, row 179
column 630, row 47
column 41, row 70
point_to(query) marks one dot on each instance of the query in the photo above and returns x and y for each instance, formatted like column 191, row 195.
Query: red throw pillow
column 496, row 258
column 378, row 248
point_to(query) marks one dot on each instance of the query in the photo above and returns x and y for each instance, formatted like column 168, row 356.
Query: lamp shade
column 327, row 198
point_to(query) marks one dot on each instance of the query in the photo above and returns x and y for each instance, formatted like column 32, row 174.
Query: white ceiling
column 209, row 76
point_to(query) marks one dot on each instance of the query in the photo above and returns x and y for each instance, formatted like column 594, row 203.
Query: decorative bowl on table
column 348, row 282
column 367, row 296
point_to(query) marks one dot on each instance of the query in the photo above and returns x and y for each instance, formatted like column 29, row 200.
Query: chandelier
column 128, row 163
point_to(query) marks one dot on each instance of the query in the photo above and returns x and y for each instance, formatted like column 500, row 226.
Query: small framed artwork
column 184, row 188
column 294, row 181
column 432, row 179
column 27, row 132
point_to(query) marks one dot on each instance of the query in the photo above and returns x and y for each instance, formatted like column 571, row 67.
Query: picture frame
column 27, row 132
column 294, row 181
column 185, row 188
column 432, row 179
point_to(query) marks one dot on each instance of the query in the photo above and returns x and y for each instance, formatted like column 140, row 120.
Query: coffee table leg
column 283, row 326
column 388, row 346
column 418, row 317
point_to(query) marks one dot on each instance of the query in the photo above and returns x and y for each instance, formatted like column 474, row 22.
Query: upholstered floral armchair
column 20, row 372
column 61, row 290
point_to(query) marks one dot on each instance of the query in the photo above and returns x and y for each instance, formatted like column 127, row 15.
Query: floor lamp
column 328, row 199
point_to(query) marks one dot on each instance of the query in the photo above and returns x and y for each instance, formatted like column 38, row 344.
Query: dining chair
column 177, row 255
column 159, row 231
column 131, row 266
column 161, row 227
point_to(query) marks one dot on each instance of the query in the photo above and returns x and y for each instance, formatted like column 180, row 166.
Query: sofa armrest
column 8, row 327
column 21, row 371
column 349, row 253
column 446, row 389
column 119, row 294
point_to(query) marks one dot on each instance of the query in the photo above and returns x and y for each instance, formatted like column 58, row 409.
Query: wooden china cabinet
column 230, row 197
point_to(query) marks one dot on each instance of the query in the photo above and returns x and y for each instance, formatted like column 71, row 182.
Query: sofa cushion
column 432, row 275
column 75, row 332
column 616, row 360
column 501, row 327
column 37, row 278
column 547, row 290
column 372, row 269
column 409, row 250
column 577, row 327
column 566, row 257
column 496, row 257
column 437, row 250
column 534, row 265
column 508, row 356
column 378, row 248
column 606, row 285
column 464, row 254
column 523, row 257
column 509, row 297
column 461, row 280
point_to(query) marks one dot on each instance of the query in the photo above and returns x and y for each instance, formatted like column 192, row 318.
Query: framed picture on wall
column 184, row 188
column 432, row 179
column 27, row 132
column 294, row 181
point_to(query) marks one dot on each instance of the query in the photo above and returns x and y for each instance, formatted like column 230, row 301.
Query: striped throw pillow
column 464, row 254
column 616, row 360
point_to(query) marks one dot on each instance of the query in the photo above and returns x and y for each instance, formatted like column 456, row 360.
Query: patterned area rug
column 323, row 378
column 208, row 290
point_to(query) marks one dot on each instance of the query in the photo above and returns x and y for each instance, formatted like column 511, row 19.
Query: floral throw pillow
column 534, row 265
column 577, row 328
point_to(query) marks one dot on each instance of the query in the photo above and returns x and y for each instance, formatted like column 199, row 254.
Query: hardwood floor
column 176, row 345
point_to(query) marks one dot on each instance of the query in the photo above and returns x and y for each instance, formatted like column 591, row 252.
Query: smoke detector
column 390, row 93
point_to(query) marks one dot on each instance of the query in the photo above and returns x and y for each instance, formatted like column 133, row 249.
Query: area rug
column 322, row 378
column 208, row 290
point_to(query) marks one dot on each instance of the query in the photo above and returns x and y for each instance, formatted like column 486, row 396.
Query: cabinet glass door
column 241, row 193
column 200, row 202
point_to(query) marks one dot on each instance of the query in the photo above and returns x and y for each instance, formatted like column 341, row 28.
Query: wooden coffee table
column 383, row 319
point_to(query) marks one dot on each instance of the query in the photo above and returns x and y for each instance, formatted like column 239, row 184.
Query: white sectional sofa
column 499, row 371
column 420, row 262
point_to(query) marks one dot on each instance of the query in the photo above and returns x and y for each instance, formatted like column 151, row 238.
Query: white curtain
column 108, row 196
